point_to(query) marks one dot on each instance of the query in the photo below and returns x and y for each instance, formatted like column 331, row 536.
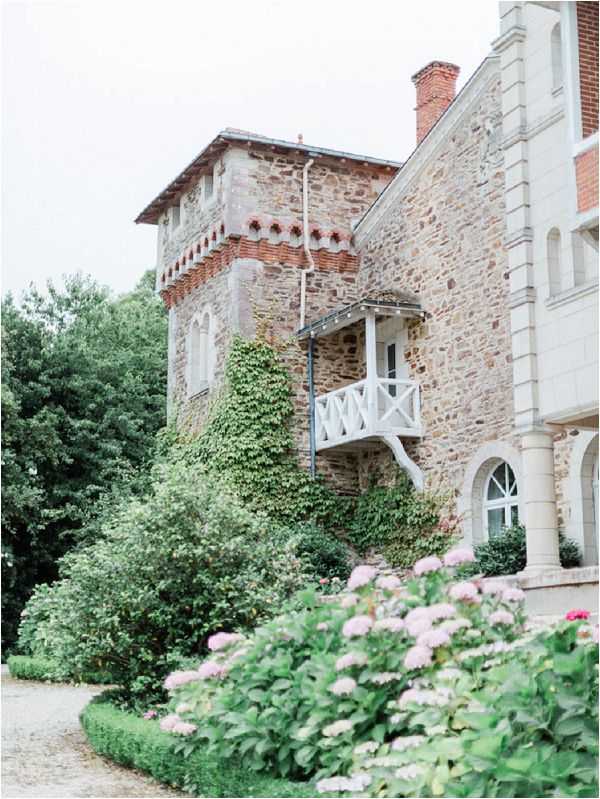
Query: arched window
column 200, row 354
column 553, row 254
column 295, row 236
column 274, row 234
column 501, row 500
column 254, row 231
column 556, row 54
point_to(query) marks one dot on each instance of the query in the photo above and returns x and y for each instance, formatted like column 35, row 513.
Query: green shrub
column 525, row 727
column 185, row 562
column 139, row 743
column 276, row 699
column 400, row 522
column 33, row 668
column 507, row 553
column 324, row 554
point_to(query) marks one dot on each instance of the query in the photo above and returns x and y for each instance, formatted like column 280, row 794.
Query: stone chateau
column 443, row 309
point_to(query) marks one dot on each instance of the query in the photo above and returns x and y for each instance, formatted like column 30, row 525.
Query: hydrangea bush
column 389, row 688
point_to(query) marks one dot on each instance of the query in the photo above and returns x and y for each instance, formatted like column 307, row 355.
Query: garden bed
column 26, row 667
column 139, row 743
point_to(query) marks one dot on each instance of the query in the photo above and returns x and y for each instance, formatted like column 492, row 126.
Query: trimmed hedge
column 27, row 667
column 24, row 667
column 136, row 742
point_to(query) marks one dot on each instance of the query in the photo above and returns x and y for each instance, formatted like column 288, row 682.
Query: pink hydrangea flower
column 416, row 614
column 501, row 617
column 366, row 748
column 494, row 587
column 426, row 565
column 168, row 722
column 392, row 624
column 349, row 600
column 464, row 592
column 388, row 581
column 385, row 677
column 595, row 634
column 354, row 784
column 350, row 659
column 433, row 639
column 441, row 610
column 458, row 556
column 410, row 772
column 183, row 707
column 454, row 625
column 356, row 626
column 343, row 686
column 150, row 714
column 338, row 728
column 361, row 575
column 418, row 657
column 407, row 742
column 415, row 628
column 223, row 640
column 513, row 595
column 178, row 678
column 184, row 728
column 573, row 615
column 210, row 669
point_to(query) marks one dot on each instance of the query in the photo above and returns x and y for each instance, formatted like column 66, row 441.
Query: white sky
column 105, row 102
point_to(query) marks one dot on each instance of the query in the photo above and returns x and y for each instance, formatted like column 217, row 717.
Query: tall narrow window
column 553, row 246
column 556, row 54
column 501, row 503
column 390, row 358
column 199, row 354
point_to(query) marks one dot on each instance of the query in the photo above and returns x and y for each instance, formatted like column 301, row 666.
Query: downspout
column 311, row 407
column 311, row 263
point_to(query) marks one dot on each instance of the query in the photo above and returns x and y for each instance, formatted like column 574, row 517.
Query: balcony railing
column 367, row 408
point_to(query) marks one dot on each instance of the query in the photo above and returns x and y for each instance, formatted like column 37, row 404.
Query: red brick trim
column 222, row 256
column 587, row 32
column 586, row 177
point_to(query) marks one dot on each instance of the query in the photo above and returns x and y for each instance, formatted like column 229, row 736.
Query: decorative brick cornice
column 177, row 286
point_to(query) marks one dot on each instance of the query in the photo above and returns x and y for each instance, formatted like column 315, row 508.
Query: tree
column 83, row 386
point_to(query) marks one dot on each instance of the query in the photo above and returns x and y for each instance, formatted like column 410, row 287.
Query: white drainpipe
column 311, row 267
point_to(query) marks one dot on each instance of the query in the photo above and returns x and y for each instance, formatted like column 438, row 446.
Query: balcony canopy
column 400, row 305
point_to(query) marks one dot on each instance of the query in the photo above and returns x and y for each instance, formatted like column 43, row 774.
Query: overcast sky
column 105, row 102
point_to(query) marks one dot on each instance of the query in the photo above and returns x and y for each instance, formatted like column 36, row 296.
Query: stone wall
column 442, row 239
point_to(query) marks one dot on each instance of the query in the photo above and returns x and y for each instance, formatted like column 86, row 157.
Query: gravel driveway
column 44, row 751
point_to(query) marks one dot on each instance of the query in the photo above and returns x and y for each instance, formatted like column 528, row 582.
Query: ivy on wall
column 247, row 438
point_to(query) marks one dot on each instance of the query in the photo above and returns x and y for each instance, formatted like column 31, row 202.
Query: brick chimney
column 436, row 88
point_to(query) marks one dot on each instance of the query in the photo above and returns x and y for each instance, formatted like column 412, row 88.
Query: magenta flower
column 426, row 565
column 573, row 615
column 361, row 575
column 357, row 626
column 433, row 639
column 418, row 657
column 458, row 556
column 464, row 592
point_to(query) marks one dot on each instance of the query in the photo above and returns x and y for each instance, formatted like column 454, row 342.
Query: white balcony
column 367, row 409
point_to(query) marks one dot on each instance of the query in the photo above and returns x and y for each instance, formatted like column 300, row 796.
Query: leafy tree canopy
column 83, row 395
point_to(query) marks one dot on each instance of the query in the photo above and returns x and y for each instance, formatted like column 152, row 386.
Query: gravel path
column 44, row 751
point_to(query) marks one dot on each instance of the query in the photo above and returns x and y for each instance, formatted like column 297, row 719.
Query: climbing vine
column 247, row 439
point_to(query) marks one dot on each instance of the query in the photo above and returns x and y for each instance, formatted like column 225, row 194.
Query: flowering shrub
column 300, row 694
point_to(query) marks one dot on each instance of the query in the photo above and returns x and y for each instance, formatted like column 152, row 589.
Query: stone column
column 537, row 452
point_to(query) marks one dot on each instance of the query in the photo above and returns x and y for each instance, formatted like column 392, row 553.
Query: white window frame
column 507, row 502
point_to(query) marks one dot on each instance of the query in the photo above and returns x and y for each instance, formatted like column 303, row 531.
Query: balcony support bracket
column 416, row 475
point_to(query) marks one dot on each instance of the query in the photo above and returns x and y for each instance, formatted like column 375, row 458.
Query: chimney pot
column 436, row 88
